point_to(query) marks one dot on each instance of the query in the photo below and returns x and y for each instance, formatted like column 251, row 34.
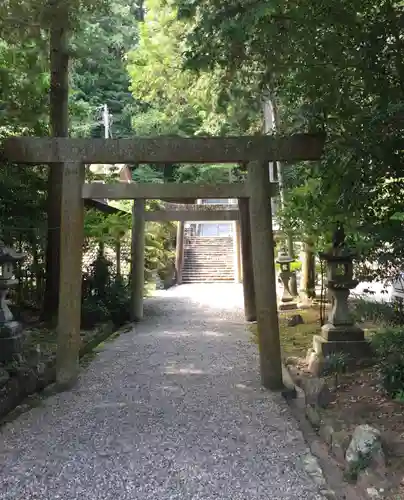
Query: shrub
column 105, row 298
column 93, row 311
column 117, row 301
column 336, row 364
column 388, row 345
column 383, row 313
column 100, row 275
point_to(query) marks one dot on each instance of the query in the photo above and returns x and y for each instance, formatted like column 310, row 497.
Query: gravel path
column 172, row 410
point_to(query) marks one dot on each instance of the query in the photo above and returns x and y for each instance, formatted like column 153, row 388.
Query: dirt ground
column 359, row 397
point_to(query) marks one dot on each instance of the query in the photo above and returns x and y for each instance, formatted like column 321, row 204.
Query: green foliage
column 24, row 85
column 110, row 229
column 388, row 345
column 204, row 174
column 351, row 474
column 146, row 173
column 159, row 250
column 93, row 312
column 336, row 364
column 179, row 101
column 176, row 101
column 102, row 33
column 106, row 229
column 118, row 301
column 400, row 396
column 99, row 74
column 105, row 298
column 379, row 313
column 334, row 67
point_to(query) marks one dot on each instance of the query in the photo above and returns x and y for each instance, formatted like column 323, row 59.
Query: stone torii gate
column 254, row 196
column 189, row 211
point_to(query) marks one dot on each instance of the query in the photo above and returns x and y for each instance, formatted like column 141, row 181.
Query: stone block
column 342, row 333
column 312, row 467
column 313, row 416
column 354, row 349
column 315, row 363
column 295, row 320
column 317, row 392
column 339, row 444
column 365, row 449
column 4, row 377
column 10, row 340
column 326, row 433
column 287, row 306
column 289, row 390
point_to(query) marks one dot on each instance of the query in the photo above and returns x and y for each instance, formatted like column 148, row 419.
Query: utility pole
column 271, row 123
column 269, row 127
column 106, row 121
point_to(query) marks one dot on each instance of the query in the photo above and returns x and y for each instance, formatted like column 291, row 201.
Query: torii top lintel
column 162, row 149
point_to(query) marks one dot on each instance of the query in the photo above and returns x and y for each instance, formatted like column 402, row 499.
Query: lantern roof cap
column 284, row 258
column 9, row 255
column 338, row 254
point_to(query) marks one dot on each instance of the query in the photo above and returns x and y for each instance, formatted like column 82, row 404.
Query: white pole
column 105, row 120
column 275, row 169
column 269, row 127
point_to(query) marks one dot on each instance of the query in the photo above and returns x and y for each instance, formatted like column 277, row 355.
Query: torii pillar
column 138, row 259
column 247, row 262
column 262, row 239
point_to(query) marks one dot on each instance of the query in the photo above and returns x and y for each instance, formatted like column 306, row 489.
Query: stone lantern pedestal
column 340, row 333
column 287, row 301
column 10, row 330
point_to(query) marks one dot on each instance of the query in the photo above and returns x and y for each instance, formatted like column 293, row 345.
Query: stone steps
column 209, row 268
column 208, row 260
column 208, row 273
column 209, row 278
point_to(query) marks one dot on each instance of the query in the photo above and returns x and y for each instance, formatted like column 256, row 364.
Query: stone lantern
column 340, row 333
column 10, row 330
column 287, row 300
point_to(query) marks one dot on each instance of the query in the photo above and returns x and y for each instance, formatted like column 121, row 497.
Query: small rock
column 326, row 433
column 313, row 416
column 4, row 377
column 365, row 448
column 372, row 493
column 295, row 320
column 311, row 466
column 315, row 363
column 373, row 483
column 316, row 392
column 22, row 408
column 328, row 494
column 292, row 360
column 339, row 444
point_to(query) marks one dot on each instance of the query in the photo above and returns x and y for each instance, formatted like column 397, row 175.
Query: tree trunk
column 308, row 285
column 59, row 127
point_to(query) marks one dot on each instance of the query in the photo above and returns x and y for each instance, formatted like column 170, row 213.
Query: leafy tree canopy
column 332, row 66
